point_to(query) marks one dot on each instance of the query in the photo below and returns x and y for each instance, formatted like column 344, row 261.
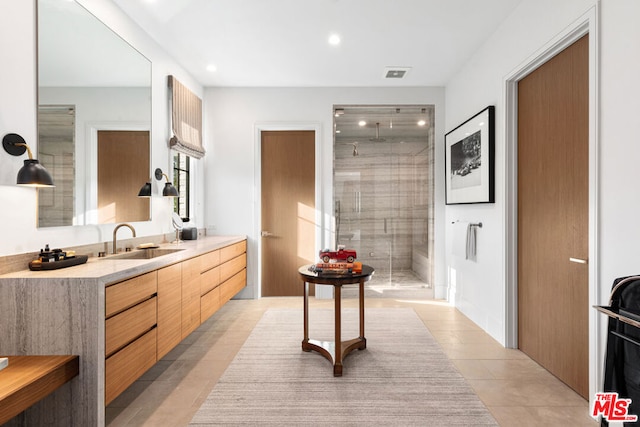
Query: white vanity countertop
column 109, row 270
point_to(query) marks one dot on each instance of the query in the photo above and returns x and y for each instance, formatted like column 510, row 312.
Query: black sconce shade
column 32, row 174
column 145, row 190
column 168, row 191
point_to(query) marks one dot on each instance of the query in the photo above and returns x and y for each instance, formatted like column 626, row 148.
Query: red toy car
column 341, row 254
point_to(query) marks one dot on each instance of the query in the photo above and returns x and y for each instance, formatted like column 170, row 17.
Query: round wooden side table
column 337, row 350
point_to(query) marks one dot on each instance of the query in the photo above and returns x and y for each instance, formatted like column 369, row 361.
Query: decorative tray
column 54, row 265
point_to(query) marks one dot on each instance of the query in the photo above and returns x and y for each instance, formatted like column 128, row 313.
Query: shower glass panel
column 383, row 187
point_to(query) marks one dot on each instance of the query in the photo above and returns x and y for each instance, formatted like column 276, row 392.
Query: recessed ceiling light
column 334, row 39
column 422, row 123
column 362, row 123
column 212, row 68
column 338, row 131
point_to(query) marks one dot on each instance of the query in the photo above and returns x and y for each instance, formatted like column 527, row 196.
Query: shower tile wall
column 384, row 199
column 56, row 149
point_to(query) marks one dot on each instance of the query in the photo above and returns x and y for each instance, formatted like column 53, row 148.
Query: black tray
column 54, row 265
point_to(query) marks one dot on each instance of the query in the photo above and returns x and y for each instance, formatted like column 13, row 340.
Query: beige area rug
column 402, row 378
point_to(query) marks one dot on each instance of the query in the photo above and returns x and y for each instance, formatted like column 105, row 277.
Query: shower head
column 377, row 138
column 355, row 148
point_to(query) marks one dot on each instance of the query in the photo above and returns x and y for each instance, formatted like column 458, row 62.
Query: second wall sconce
column 168, row 191
column 32, row 174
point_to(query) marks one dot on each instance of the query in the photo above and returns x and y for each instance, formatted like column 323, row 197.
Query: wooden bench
column 27, row 379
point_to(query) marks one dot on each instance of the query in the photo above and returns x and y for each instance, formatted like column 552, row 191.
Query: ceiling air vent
column 396, row 72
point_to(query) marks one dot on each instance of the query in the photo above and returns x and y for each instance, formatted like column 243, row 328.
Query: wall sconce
column 145, row 190
column 168, row 191
column 32, row 174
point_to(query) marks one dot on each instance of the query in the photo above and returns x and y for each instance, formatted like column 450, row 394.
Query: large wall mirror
column 94, row 119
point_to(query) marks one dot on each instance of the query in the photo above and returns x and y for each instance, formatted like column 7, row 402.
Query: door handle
column 266, row 234
column 578, row 260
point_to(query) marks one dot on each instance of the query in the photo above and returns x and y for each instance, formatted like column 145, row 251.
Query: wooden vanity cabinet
column 130, row 332
column 232, row 286
column 223, row 276
column 190, row 295
column 209, row 288
column 233, row 272
column 232, row 251
column 169, row 308
column 148, row 315
column 125, row 294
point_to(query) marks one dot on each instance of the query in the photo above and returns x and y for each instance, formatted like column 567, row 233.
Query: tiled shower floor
column 403, row 284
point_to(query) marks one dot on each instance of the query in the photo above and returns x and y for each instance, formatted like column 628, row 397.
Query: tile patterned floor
column 516, row 390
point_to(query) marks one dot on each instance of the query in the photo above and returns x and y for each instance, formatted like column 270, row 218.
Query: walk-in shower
column 383, row 187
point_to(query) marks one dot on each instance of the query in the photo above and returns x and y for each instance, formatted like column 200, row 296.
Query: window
column 181, row 181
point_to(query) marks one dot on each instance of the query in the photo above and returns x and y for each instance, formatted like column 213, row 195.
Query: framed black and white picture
column 469, row 160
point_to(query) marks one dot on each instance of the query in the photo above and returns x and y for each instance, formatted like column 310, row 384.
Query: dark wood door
column 288, row 209
column 553, row 191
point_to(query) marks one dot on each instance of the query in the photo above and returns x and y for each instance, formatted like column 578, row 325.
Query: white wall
column 232, row 115
column 18, row 115
column 618, row 178
column 480, row 286
column 619, row 145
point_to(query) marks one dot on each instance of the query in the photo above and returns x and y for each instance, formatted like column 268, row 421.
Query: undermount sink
column 144, row 254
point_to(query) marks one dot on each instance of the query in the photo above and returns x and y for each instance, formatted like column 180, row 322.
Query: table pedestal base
column 337, row 350
column 328, row 350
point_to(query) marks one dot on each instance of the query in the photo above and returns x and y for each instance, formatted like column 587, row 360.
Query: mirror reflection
column 94, row 119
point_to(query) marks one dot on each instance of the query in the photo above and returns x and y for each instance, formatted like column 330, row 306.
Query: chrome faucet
column 115, row 231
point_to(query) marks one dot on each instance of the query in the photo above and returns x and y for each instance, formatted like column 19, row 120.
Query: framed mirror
column 94, row 119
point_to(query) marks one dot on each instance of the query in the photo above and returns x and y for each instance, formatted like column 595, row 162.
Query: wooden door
column 288, row 209
column 123, row 167
column 553, row 189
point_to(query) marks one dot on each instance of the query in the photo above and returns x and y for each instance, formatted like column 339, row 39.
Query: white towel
column 470, row 252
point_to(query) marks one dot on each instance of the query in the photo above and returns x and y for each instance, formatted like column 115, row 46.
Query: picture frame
column 469, row 160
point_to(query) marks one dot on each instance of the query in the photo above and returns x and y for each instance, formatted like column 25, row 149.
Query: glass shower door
column 381, row 202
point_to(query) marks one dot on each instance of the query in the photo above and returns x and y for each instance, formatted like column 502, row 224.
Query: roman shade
column 186, row 120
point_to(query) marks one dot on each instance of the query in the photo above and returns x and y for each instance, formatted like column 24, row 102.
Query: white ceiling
column 284, row 43
column 76, row 49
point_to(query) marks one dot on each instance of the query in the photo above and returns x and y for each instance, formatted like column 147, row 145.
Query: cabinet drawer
column 209, row 304
column 209, row 280
column 130, row 292
column 232, row 267
column 128, row 325
column 127, row 365
column 233, row 251
column 210, row 260
column 232, row 286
